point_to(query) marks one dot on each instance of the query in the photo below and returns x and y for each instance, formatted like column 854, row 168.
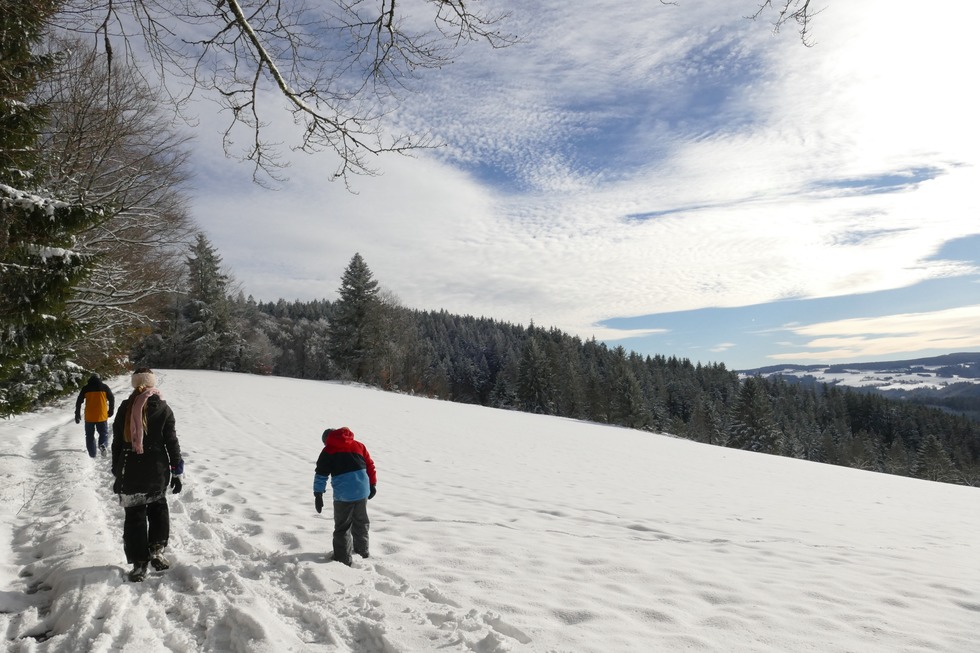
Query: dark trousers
column 145, row 526
column 90, row 428
column 350, row 522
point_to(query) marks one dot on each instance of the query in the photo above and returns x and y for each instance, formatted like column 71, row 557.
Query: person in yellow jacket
column 99, row 406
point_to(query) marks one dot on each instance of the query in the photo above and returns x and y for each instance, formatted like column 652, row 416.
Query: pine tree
column 199, row 332
column 209, row 341
column 596, row 389
column 355, row 324
column 535, row 383
column 21, row 70
column 38, row 267
column 933, row 462
column 860, row 452
column 899, row 461
column 504, row 393
column 753, row 427
column 628, row 402
column 705, row 425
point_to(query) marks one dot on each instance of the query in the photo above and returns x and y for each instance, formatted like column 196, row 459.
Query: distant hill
column 951, row 381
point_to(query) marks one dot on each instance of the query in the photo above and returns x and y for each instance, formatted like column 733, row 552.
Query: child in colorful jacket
column 353, row 480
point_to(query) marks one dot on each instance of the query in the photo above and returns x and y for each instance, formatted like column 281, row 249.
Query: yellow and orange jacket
column 99, row 402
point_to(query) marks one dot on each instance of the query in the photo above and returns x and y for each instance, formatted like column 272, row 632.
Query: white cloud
column 741, row 221
column 956, row 329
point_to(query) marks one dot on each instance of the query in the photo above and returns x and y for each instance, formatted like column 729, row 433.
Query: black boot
column 157, row 559
column 138, row 573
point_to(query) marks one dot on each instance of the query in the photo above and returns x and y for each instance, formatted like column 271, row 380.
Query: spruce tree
column 38, row 267
column 535, row 382
column 199, row 332
column 898, row 461
column 933, row 462
column 355, row 324
column 209, row 339
column 753, row 427
column 628, row 402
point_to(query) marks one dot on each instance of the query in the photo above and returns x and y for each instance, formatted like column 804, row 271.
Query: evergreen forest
column 366, row 337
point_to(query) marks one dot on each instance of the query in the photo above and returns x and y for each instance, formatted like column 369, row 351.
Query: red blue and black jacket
column 348, row 465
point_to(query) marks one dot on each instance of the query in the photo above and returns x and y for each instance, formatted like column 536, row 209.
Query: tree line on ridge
column 365, row 336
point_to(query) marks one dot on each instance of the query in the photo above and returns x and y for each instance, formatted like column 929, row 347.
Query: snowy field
column 492, row 531
column 932, row 378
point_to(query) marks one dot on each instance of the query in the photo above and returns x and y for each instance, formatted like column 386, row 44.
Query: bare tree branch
column 337, row 63
column 797, row 11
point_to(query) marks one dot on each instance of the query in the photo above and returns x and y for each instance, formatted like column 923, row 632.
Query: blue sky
column 673, row 178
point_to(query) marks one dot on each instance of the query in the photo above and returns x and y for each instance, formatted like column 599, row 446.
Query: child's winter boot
column 138, row 573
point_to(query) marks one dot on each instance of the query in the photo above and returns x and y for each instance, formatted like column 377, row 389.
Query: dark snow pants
column 90, row 429
column 350, row 522
column 144, row 527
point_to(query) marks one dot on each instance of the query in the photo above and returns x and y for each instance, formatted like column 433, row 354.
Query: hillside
column 492, row 531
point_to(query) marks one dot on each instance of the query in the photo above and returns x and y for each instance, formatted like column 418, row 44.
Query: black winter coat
column 149, row 472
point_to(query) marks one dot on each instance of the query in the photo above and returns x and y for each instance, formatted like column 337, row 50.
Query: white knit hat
column 144, row 378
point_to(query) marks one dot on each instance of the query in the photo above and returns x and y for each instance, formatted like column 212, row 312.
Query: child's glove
column 175, row 471
column 78, row 418
column 374, row 490
column 318, row 501
column 117, row 486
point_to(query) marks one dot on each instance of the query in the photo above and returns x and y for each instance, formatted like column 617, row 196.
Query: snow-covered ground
column 492, row 531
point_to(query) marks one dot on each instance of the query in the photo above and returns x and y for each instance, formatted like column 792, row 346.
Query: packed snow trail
column 227, row 590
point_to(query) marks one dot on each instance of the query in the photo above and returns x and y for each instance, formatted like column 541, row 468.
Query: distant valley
column 951, row 381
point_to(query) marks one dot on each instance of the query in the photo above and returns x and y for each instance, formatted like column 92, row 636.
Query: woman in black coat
column 146, row 461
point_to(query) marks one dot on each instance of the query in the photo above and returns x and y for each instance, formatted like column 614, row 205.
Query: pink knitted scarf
column 136, row 418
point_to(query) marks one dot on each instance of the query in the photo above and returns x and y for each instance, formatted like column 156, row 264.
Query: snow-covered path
column 492, row 531
column 240, row 584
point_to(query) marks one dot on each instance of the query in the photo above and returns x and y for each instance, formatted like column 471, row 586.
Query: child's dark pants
column 350, row 522
column 144, row 527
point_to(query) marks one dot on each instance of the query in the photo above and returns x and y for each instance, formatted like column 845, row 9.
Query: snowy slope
column 492, row 531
